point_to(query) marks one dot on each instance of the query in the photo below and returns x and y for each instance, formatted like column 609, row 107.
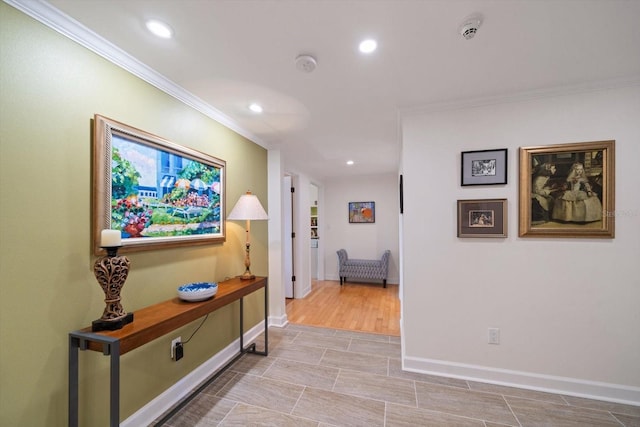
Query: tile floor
column 326, row 377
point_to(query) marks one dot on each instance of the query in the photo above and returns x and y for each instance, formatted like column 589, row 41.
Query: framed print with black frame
column 362, row 212
column 482, row 218
column 484, row 167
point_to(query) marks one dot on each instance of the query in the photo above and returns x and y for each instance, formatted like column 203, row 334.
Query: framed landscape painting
column 567, row 190
column 155, row 192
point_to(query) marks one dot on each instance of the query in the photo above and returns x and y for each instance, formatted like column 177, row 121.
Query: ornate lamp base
column 111, row 271
column 111, row 325
column 247, row 276
column 247, row 263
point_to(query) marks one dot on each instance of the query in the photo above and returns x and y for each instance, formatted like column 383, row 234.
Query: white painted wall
column 568, row 309
column 277, row 310
column 366, row 241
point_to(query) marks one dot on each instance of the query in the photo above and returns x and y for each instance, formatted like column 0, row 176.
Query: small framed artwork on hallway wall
column 485, row 167
column 482, row 218
column 362, row 212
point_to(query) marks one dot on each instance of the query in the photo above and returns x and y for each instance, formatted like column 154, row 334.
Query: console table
column 150, row 323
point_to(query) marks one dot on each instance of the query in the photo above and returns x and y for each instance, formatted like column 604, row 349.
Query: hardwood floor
column 363, row 307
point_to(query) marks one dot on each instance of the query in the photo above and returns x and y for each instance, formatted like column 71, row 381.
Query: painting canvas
column 481, row 218
column 362, row 212
column 567, row 190
column 155, row 192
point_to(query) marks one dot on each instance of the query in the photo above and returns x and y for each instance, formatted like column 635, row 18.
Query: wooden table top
column 159, row 319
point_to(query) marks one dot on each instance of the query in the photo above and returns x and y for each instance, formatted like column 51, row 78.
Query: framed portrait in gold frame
column 567, row 190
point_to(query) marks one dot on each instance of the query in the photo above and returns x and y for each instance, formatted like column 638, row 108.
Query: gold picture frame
column 567, row 190
column 158, row 194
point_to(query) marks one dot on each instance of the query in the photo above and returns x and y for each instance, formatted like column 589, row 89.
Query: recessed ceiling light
column 350, row 162
column 160, row 29
column 368, row 46
column 256, row 108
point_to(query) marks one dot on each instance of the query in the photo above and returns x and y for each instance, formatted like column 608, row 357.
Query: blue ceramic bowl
column 199, row 291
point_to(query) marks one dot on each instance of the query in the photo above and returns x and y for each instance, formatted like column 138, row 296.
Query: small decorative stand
column 111, row 272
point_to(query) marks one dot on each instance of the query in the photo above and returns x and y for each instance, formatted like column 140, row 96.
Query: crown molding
column 520, row 96
column 53, row 18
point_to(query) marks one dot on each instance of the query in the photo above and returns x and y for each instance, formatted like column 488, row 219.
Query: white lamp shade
column 248, row 207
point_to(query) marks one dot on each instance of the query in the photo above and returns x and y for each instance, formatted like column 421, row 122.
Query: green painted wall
column 50, row 88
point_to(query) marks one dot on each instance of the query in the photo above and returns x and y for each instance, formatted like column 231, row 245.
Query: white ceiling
column 230, row 53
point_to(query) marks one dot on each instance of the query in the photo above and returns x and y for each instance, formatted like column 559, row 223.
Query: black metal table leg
column 115, row 384
column 74, row 344
column 241, row 325
column 110, row 347
column 251, row 348
column 266, row 320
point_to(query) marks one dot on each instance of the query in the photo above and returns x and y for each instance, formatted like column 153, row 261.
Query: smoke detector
column 306, row 63
column 469, row 26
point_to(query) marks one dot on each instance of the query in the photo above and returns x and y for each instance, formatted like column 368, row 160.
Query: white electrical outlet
column 494, row 336
column 173, row 346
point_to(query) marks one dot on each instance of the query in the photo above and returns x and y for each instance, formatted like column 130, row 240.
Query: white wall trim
column 520, row 96
column 527, row 380
column 69, row 27
column 279, row 322
column 181, row 389
column 304, row 293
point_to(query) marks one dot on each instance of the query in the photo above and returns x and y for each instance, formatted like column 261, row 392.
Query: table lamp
column 248, row 208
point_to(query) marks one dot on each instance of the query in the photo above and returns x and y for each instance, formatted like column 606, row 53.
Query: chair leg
column 384, row 283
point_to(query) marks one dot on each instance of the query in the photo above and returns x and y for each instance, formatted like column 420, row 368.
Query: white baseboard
column 548, row 383
column 181, row 389
column 304, row 292
column 279, row 322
